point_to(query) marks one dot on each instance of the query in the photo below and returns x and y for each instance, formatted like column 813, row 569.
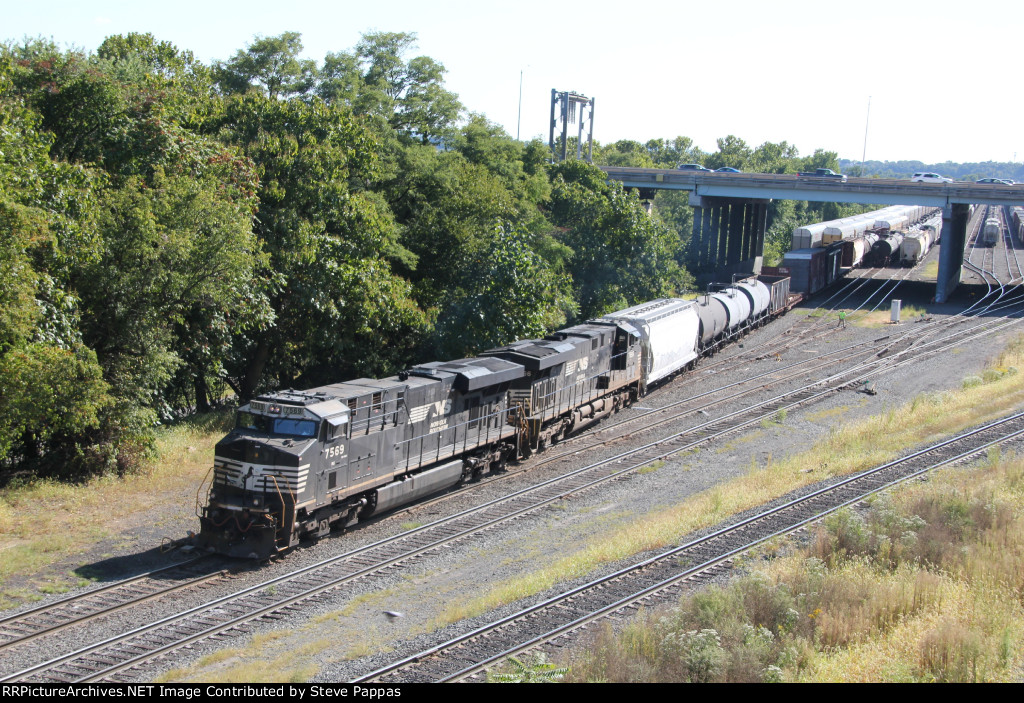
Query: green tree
column 51, row 389
column 270, row 65
column 171, row 246
column 337, row 307
column 621, row 255
column 509, row 293
column 732, row 152
column 821, row 159
column 447, row 208
column 377, row 80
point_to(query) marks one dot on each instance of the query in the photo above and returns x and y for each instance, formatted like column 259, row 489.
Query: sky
column 932, row 81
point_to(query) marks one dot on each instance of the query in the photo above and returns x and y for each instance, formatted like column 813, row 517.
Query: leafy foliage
column 170, row 229
column 536, row 670
column 511, row 293
column 620, row 255
column 270, row 65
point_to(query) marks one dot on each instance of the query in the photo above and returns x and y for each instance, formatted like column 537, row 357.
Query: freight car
column 854, row 250
column 812, row 270
column 1018, row 223
column 894, row 217
column 884, row 250
column 300, row 464
column 915, row 247
column 990, row 233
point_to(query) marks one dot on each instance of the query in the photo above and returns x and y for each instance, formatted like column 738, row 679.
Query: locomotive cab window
column 294, row 428
column 248, row 421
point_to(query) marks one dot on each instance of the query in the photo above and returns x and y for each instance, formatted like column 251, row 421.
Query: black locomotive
column 301, row 463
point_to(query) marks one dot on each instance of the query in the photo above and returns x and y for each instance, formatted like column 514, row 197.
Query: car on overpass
column 727, row 169
column 825, row 174
column 693, row 167
column 924, row 177
column 994, row 181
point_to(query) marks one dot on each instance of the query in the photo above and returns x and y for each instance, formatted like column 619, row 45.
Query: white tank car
column 760, row 296
column 736, row 303
column 915, row 247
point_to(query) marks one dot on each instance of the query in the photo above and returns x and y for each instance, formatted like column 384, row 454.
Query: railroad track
column 52, row 618
column 705, row 432
column 659, row 579
column 274, row 598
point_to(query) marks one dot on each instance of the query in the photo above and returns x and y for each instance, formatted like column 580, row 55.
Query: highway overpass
column 730, row 208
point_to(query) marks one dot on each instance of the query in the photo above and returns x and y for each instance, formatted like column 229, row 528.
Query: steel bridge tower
column 568, row 104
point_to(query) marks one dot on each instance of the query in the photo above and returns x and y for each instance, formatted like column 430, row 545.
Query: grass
column 854, row 447
column 67, row 518
column 882, row 317
column 926, row 586
column 775, row 420
column 651, row 468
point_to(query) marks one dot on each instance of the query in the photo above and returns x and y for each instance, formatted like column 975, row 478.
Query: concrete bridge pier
column 646, row 196
column 951, row 249
column 728, row 236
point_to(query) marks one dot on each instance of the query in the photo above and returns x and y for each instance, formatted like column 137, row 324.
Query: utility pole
column 864, row 155
column 519, row 119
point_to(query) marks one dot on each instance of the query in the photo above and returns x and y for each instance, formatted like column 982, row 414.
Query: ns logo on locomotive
column 301, row 463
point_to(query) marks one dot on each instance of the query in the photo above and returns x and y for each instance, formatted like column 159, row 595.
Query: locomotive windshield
column 286, row 426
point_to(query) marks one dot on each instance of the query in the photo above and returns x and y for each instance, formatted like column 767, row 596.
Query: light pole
column 519, row 119
column 864, row 154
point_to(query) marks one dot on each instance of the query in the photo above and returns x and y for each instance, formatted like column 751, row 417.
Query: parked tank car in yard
column 915, row 247
column 301, row 463
column 854, row 250
column 991, row 231
column 884, row 250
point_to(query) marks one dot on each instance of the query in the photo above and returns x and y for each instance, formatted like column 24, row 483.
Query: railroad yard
column 772, row 394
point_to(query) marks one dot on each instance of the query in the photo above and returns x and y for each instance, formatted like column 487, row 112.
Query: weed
column 650, row 468
column 535, row 670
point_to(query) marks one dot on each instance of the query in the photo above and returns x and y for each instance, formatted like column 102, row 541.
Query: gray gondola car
column 778, row 287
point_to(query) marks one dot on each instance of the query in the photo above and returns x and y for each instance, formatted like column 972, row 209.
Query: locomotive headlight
column 255, row 501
